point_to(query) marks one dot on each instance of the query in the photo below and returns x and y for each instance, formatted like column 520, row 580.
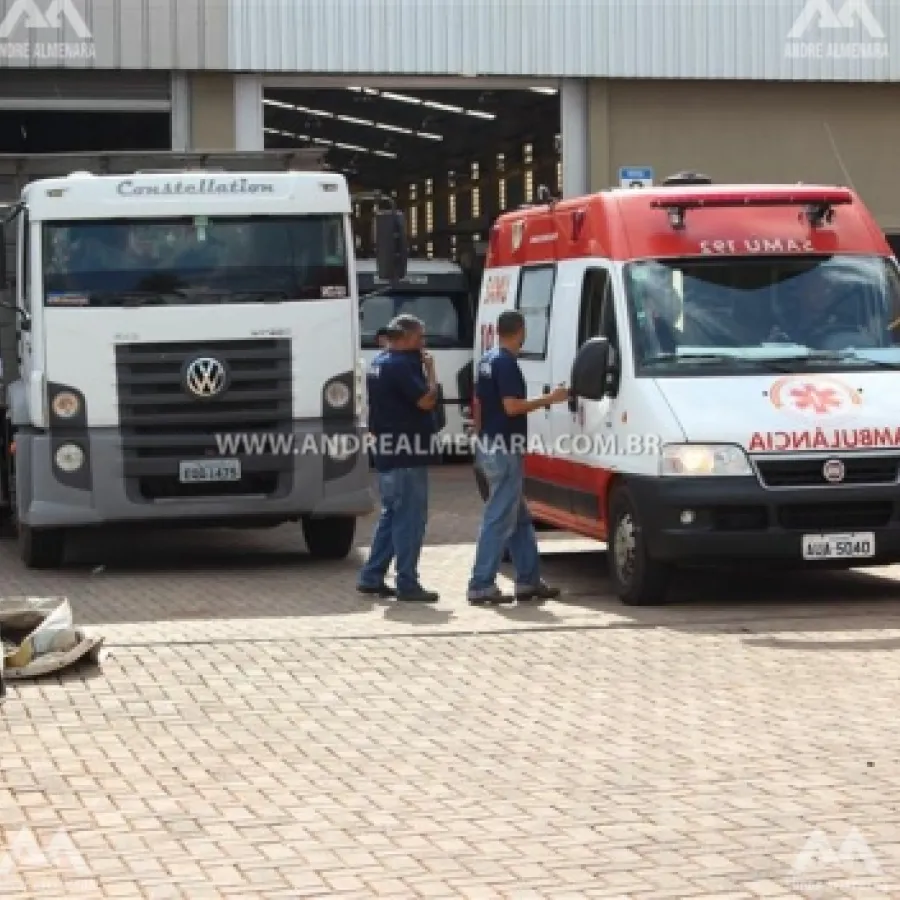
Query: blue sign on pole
column 636, row 176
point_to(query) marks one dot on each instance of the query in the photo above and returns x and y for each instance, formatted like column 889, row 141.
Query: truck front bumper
column 736, row 519
column 108, row 490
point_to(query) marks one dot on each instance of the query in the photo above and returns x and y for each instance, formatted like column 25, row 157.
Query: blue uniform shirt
column 499, row 376
column 402, row 432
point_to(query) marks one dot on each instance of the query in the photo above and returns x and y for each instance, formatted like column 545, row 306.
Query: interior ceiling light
column 429, row 104
column 354, row 120
column 336, row 144
column 550, row 92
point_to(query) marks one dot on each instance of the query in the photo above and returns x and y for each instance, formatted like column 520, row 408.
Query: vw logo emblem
column 833, row 471
column 205, row 377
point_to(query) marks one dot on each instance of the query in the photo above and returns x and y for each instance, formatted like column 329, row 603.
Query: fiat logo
column 833, row 471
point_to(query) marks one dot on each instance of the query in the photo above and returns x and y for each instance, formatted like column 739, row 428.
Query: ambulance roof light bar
column 819, row 202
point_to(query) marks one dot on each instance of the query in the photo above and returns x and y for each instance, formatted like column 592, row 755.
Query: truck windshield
column 193, row 260
column 736, row 315
column 445, row 315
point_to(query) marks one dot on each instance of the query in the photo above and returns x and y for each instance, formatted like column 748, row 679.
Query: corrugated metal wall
column 734, row 39
column 739, row 39
column 124, row 34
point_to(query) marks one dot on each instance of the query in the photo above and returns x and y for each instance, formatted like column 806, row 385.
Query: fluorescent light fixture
column 353, row 120
column 385, row 154
column 550, row 92
column 428, row 104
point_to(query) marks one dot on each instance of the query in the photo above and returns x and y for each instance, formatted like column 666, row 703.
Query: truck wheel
column 330, row 538
column 637, row 579
column 42, row 548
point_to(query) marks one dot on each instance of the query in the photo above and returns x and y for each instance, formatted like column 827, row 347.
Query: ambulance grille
column 858, row 470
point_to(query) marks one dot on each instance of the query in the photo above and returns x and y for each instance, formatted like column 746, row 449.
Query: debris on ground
column 38, row 636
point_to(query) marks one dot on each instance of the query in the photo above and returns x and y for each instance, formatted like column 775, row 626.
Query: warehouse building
column 462, row 109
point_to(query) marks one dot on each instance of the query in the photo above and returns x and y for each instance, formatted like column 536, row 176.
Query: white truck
column 187, row 350
column 439, row 292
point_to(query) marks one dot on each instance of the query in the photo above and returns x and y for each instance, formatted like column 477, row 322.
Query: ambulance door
column 594, row 434
column 534, row 299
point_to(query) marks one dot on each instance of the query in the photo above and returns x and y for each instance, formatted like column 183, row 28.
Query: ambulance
column 732, row 353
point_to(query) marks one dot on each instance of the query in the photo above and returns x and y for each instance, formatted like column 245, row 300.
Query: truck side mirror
column 590, row 369
column 391, row 248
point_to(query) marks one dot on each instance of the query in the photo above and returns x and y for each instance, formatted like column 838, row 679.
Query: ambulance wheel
column 42, row 548
column 330, row 538
column 637, row 579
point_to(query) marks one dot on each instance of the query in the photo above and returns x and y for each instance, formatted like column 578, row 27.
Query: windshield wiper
column 134, row 298
column 785, row 363
column 699, row 358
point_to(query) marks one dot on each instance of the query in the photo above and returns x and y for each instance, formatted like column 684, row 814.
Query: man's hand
column 428, row 365
column 558, row 395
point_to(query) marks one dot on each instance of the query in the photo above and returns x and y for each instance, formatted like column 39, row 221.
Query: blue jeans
column 506, row 525
column 400, row 531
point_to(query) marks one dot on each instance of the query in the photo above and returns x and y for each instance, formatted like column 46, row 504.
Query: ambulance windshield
column 739, row 313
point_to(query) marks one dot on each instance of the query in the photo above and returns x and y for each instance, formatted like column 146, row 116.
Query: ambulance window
column 534, row 300
column 594, row 296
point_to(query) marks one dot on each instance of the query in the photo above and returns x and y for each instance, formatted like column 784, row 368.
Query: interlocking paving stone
column 260, row 730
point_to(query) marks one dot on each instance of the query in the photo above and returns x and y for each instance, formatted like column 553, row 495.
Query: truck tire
column 637, row 579
column 42, row 548
column 330, row 538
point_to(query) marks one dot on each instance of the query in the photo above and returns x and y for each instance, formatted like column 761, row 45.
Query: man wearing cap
column 402, row 396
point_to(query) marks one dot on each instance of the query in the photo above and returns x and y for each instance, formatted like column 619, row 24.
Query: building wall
column 733, row 39
column 752, row 132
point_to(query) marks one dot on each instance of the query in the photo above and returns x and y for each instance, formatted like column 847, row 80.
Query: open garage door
column 453, row 158
column 64, row 111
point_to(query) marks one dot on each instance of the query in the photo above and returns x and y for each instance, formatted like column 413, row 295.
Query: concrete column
column 573, row 97
column 600, row 136
column 181, row 112
column 248, row 113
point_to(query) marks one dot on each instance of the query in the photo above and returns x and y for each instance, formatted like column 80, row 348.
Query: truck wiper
column 699, row 358
column 134, row 298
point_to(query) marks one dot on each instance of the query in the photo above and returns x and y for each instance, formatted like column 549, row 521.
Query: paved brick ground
column 259, row 731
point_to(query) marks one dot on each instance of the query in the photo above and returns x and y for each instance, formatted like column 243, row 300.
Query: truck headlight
column 65, row 405
column 69, row 458
column 337, row 394
column 704, row 459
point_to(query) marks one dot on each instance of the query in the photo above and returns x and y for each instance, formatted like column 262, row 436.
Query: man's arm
column 429, row 400
column 508, row 378
column 419, row 390
column 515, row 406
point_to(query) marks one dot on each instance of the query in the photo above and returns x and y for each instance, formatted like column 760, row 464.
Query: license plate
column 205, row 470
column 855, row 545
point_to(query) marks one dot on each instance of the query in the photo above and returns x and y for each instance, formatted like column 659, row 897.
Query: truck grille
column 835, row 516
column 808, row 472
column 162, row 424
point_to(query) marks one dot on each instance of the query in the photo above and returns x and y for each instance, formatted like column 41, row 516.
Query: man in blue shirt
column 502, row 423
column 402, row 395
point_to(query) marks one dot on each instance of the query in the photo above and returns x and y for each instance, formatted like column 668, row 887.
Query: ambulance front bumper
column 696, row 520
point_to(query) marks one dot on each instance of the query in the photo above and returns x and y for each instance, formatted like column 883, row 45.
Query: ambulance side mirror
column 391, row 247
column 590, row 369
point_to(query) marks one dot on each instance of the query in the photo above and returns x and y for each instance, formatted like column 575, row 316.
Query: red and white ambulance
column 733, row 353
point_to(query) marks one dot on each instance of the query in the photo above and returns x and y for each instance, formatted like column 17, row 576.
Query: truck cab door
column 23, row 301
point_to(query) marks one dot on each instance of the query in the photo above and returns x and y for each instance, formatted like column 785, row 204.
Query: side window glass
column 594, row 291
column 534, row 302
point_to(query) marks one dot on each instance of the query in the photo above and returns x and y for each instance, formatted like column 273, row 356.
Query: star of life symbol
column 24, row 850
column 28, row 16
column 814, row 397
column 825, row 17
column 820, row 868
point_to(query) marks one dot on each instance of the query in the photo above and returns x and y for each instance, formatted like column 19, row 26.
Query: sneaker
column 541, row 592
column 420, row 596
column 381, row 590
column 496, row 597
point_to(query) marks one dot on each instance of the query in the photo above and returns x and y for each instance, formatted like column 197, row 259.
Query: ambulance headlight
column 688, row 460
column 69, row 458
column 337, row 394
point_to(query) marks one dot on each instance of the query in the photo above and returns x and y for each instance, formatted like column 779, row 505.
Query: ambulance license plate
column 855, row 545
column 205, row 470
